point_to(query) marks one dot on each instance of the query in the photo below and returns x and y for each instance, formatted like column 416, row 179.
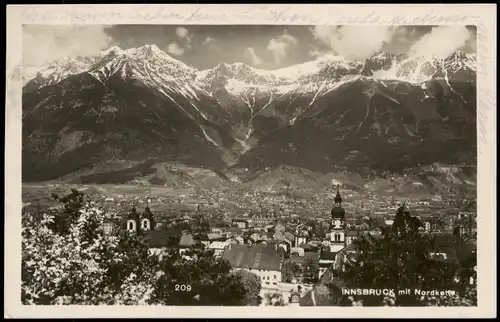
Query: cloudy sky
column 261, row 46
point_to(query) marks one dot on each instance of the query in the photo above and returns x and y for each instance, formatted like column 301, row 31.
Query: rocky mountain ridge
column 141, row 104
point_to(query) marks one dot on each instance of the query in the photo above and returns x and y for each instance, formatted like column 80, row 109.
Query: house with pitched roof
column 265, row 261
column 159, row 241
column 186, row 243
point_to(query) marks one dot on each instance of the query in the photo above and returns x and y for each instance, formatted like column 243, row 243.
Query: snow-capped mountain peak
column 146, row 50
column 115, row 51
column 324, row 71
column 422, row 68
column 147, row 64
column 153, row 52
column 237, row 113
column 57, row 71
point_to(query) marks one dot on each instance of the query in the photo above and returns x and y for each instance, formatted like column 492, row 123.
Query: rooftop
column 326, row 254
column 288, row 236
column 187, row 240
column 260, row 257
column 157, row 238
column 213, row 236
column 234, row 230
column 239, row 219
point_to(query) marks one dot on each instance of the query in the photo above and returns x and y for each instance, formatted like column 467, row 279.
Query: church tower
column 337, row 227
column 147, row 219
column 136, row 223
column 133, row 221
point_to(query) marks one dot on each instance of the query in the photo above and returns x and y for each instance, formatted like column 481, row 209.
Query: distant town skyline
column 260, row 46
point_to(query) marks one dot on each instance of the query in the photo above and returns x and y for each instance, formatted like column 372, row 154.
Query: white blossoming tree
column 84, row 265
column 71, row 259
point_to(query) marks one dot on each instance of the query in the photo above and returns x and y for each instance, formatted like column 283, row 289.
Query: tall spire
column 403, row 206
column 338, row 198
column 403, row 209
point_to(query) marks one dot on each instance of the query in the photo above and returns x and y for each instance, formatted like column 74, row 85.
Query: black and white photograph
column 249, row 165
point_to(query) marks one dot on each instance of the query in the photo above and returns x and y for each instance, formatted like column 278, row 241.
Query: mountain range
column 132, row 108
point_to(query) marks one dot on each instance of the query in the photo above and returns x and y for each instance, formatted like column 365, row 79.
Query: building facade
column 337, row 233
column 262, row 260
column 336, row 239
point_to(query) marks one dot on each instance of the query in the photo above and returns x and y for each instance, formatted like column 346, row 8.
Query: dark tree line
column 401, row 259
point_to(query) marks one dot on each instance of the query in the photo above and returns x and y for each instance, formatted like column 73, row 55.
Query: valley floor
column 298, row 202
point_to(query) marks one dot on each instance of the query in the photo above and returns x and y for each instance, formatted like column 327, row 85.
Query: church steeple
column 338, row 198
column 147, row 219
column 132, row 220
column 338, row 211
column 336, row 235
column 403, row 209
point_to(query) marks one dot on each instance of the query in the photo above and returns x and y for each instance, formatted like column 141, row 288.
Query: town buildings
column 261, row 241
column 265, row 261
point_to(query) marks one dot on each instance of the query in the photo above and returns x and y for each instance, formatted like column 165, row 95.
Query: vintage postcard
column 167, row 160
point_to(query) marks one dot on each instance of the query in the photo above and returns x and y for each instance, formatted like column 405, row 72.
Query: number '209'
column 182, row 288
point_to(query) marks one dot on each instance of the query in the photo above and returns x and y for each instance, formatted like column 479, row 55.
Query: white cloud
column 183, row 43
column 442, row 41
column 181, row 32
column 43, row 44
column 279, row 46
column 208, row 41
column 174, row 49
column 288, row 39
column 252, row 56
column 315, row 52
column 471, row 45
column 354, row 42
